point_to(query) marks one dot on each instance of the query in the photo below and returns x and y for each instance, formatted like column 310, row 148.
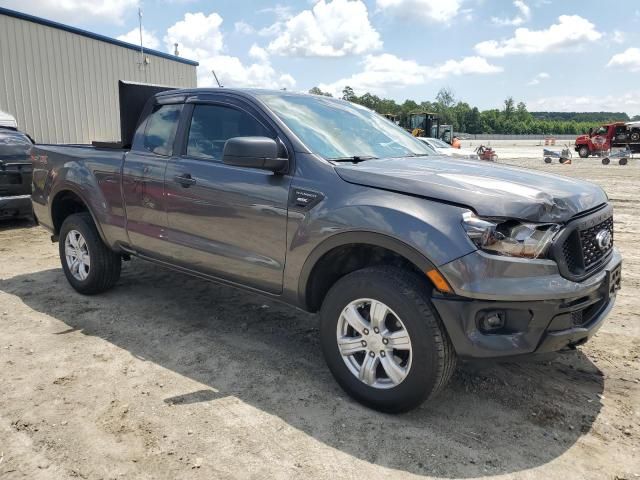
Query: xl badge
column 603, row 240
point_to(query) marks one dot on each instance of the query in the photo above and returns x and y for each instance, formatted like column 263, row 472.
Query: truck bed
column 96, row 171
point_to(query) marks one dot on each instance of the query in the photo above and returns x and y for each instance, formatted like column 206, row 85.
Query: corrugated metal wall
column 63, row 87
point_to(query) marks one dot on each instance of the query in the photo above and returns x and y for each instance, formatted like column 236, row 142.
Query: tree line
column 512, row 118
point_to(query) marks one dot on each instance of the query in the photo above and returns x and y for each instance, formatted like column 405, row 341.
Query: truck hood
column 489, row 189
column 582, row 138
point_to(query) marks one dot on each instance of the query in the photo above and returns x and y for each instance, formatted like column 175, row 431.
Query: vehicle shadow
column 495, row 419
column 15, row 223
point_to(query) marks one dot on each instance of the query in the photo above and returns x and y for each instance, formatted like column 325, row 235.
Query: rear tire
column 623, row 161
column 89, row 265
column 583, row 152
column 547, row 159
column 431, row 358
column 635, row 136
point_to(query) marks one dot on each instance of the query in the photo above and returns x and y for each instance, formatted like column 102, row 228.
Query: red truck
column 619, row 134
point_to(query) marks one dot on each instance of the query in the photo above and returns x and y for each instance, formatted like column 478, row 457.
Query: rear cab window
column 160, row 131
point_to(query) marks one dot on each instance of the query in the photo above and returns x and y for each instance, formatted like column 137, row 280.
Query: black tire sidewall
column 583, row 152
column 83, row 223
column 423, row 375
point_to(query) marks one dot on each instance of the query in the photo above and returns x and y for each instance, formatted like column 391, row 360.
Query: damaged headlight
column 512, row 238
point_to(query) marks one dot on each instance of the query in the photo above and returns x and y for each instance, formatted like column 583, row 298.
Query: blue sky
column 572, row 55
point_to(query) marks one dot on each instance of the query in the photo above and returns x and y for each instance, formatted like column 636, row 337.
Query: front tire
column 89, row 265
column 383, row 341
column 583, row 151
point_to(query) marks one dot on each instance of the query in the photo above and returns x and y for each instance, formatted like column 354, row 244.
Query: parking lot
column 167, row 376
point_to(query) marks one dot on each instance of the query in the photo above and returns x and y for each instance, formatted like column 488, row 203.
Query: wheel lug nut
column 366, row 331
column 383, row 353
column 364, row 344
column 385, row 340
column 376, row 329
column 372, row 354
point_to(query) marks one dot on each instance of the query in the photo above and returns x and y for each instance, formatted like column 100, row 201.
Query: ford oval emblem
column 603, row 240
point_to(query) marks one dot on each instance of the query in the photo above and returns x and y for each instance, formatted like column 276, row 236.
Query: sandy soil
column 171, row 377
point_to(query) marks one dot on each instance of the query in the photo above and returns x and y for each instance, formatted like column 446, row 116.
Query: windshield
column 338, row 129
column 438, row 143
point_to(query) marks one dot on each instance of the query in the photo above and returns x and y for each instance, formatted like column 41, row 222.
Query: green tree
column 509, row 107
column 521, row 112
column 348, row 94
column 317, row 91
column 445, row 98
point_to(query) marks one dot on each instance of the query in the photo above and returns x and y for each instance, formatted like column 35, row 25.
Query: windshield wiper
column 353, row 159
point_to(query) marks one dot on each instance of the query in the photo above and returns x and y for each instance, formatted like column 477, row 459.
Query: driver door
column 223, row 220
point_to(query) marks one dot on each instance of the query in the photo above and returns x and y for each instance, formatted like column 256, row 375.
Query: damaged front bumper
column 536, row 309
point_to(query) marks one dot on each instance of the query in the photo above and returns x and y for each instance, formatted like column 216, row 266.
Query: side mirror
column 254, row 152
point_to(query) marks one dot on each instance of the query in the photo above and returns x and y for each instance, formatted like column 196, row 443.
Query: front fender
column 427, row 233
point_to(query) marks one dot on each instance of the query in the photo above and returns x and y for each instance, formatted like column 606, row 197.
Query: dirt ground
column 167, row 376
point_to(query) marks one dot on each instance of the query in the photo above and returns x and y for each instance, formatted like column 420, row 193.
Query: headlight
column 512, row 238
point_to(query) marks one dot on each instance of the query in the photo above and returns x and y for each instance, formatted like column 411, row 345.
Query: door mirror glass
column 254, row 152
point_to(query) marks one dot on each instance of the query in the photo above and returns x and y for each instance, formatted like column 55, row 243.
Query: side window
column 213, row 125
column 161, row 129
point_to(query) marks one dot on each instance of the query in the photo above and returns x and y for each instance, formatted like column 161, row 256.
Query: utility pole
column 141, row 45
column 143, row 63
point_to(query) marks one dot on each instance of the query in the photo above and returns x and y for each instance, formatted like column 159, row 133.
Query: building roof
column 95, row 36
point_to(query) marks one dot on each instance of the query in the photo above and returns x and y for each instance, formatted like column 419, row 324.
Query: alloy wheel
column 77, row 255
column 374, row 343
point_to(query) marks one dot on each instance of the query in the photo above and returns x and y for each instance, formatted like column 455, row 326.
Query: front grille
column 591, row 252
column 577, row 251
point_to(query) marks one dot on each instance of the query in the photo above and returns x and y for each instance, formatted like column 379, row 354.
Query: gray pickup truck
column 412, row 260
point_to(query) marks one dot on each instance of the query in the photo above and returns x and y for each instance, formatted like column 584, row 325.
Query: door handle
column 185, row 180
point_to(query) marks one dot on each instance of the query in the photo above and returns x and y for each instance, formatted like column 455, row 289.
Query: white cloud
column 383, row 72
column 258, row 53
column 628, row 102
column 200, row 38
column 243, row 28
column 618, row 37
column 629, row 59
column 149, row 39
column 198, row 35
column 570, row 31
column 233, row 73
column 523, row 16
column 76, row 11
column 332, row 28
column 433, row 11
column 539, row 78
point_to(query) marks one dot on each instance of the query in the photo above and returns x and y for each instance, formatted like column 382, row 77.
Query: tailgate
column 15, row 178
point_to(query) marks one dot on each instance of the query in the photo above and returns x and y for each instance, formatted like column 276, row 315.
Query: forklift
column 427, row 124
column 391, row 117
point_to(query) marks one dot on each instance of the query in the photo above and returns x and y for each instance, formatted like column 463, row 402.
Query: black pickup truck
column 15, row 173
column 413, row 260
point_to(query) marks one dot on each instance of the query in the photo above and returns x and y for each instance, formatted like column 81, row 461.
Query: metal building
column 61, row 83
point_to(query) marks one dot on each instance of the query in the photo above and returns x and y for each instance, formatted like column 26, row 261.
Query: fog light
column 492, row 321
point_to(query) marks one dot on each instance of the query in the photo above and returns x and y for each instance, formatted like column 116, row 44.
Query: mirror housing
column 254, row 152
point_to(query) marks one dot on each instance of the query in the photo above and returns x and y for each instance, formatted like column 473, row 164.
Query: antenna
column 142, row 62
column 216, row 77
column 175, row 51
